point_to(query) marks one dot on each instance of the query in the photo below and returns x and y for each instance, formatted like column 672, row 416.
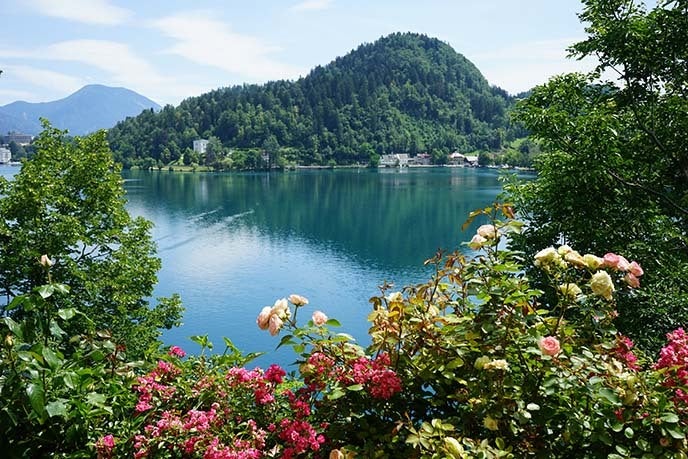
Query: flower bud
column 45, row 261
column 319, row 318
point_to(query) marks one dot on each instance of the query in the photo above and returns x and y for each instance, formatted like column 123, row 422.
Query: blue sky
column 172, row 49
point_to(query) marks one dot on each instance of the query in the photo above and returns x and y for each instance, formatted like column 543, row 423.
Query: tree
column 615, row 175
column 67, row 202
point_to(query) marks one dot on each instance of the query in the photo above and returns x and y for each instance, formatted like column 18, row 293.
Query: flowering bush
column 473, row 363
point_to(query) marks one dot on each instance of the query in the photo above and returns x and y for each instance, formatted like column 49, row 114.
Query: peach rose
column 575, row 259
column 275, row 324
column 297, row 300
column 635, row 269
column 281, row 308
column 549, row 345
column 264, row 318
column 319, row 318
column 477, row 242
column 487, row 231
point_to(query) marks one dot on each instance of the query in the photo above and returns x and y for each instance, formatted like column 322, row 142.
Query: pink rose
column 549, row 345
column 632, row 280
column 635, row 269
column 264, row 318
column 615, row 261
column 319, row 318
column 275, row 324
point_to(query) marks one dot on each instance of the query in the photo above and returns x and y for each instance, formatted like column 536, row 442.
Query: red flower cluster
column 674, row 356
column 623, row 352
column 153, row 385
column 250, row 416
column 299, row 437
column 374, row 375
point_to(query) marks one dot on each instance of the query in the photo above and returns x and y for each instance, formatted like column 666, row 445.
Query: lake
column 231, row 243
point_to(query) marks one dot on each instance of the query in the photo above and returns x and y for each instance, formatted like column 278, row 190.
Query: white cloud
column 59, row 82
column 12, row 95
column 207, row 41
column 87, row 11
column 120, row 66
column 112, row 57
column 312, row 5
column 521, row 66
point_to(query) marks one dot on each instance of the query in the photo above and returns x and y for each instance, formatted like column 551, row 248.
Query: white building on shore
column 5, row 155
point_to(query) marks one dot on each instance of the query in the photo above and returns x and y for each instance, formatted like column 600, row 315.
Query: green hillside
column 405, row 93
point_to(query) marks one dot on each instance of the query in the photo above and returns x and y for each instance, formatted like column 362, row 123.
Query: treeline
column 405, row 93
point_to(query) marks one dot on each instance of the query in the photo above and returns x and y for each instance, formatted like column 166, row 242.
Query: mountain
column 404, row 93
column 91, row 108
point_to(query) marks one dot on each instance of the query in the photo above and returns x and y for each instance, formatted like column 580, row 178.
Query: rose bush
column 473, row 363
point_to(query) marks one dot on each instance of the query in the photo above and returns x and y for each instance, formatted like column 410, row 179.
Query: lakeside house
column 5, row 155
column 394, row 160
column 16, row 137
column 200, row 146
column 459, row 159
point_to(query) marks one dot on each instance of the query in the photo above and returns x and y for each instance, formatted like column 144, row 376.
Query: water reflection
column 232, row 243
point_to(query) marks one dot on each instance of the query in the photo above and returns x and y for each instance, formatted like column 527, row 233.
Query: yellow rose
column 602, row 285
column 570, row 290
column 546, row 256
column 592, row 261
column 490, row 423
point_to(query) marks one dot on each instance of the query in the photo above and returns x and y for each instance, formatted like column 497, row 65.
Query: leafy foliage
column 403, row 93
column 616, row 173
column 465, row 365
column 67, row 201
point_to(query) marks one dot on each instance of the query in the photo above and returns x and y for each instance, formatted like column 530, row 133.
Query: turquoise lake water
column 231, row 243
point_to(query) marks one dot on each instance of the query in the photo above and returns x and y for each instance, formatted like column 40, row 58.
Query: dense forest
column 405, row 93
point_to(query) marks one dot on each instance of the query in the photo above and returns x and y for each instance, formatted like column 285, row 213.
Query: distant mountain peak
column 93, row 107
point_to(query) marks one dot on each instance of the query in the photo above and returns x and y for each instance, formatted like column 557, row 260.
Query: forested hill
column 404, row 93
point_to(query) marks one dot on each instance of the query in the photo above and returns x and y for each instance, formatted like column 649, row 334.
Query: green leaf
column 610, row 395
column 355, row 387
column 675, row 433
column 70, row 380
column 66, row 313
column 61, row 288
column 95, row 399
column 51, row 358
column 14, row 327
column 628, row 432
column 36, row 398
column 55, row 329
column 56, row 408
column 45, row 291
column 532, row 407
column 333, row 323
column 456, row 363
column 335, row 394
column 670, row 418
column 286, row 339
